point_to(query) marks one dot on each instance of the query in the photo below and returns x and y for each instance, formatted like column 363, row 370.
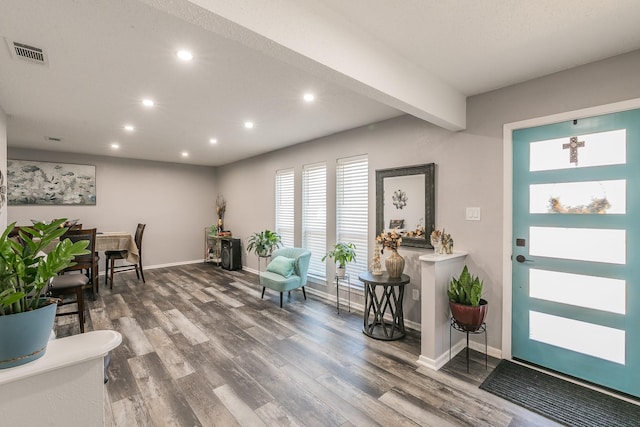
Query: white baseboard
column 441, row 360
column 456, row 348
column 171, row 264
column 250, row 270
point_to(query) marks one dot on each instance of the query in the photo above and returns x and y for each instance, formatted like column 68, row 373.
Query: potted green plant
column 467, row 307
column 342, row 253
column 264, row 242
column 25, row 271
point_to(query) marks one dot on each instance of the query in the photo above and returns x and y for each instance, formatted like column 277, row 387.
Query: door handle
column 522, row 258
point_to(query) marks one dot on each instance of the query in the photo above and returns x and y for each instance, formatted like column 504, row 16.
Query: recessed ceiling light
column 115, row 146
column 309, row 97
column 213, row 141
column 129, row 128
column 184, row 55
column 185, row 154
column 147, row 102
column 248, row 125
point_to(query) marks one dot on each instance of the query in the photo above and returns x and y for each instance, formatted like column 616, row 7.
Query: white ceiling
column 365, row 60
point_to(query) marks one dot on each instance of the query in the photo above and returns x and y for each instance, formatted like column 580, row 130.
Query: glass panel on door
column 580, row 151
column 584, row 244
column 582, row 337
column 587, row 197
column 580, row 290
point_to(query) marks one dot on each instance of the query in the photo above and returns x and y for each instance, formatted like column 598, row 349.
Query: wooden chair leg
column 106, row 269
column 93, row 280
column 80, row 302
column 304, row 293
column 112, row 263
column 141, row 272
column 262, row 293
column 96, row 279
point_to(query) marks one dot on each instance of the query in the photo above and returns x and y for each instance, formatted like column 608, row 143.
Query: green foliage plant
column 264, row 242
column 342, row 253
column 466, row 289
column 25, row 270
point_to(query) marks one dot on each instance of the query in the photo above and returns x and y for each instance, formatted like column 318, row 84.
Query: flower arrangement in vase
column 391, row 239
column 221, row 207
column 395, row 263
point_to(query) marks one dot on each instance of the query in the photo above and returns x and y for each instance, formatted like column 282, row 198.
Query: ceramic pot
column 341, row 271
column 394, row 265
column 469, row 318
column 24, row 336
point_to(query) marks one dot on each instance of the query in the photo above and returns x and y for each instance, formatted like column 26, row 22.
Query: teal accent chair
column 296, row 280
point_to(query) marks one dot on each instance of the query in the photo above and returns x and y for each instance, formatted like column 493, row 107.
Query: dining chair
column 112, row 256
column 73, row 280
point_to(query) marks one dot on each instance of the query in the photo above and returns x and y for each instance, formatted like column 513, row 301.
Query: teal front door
column 576, row 248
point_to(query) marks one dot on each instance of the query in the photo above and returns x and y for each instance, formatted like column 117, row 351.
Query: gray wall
column 175, row 201
column 468, row 172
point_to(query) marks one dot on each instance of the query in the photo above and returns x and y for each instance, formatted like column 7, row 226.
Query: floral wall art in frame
column 43, row 183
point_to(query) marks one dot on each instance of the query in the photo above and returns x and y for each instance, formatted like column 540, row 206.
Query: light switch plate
column 473, row 214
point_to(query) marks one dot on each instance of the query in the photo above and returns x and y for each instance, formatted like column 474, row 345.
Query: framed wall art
column 43, row 183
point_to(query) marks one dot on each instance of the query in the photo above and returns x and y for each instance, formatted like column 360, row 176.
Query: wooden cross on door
column 573, row 146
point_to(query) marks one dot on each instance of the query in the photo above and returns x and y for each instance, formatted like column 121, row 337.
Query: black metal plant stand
column 346, row 279
column 481, row 330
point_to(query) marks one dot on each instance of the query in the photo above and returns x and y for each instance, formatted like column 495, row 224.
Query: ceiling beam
column 308, row 35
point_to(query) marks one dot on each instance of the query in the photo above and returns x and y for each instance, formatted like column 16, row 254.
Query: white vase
column 437, row 246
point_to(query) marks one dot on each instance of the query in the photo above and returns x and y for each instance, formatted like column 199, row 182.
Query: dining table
column 111, row 241
column 118, row 241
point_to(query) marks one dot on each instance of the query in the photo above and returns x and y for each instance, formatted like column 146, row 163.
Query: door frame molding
column 507, row 191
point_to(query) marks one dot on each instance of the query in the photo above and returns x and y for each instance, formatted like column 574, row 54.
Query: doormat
column 559, row 400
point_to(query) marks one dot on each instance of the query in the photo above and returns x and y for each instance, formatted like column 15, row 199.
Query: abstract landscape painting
column 43, row 183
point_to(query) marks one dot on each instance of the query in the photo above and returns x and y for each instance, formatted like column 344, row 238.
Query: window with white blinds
column 285, row 219
column 352, row 210
column 314, row 216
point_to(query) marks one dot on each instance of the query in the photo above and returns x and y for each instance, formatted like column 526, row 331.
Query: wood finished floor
column 200, row 348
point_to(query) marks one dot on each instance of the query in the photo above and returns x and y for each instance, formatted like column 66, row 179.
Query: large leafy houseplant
column 264, row 242
column 342, row 253
column 467, row 307
column 25, row 269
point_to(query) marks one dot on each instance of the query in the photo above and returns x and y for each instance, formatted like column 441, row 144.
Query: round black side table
column 376, row 306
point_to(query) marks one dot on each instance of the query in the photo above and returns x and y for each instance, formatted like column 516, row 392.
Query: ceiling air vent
column 27, row 53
